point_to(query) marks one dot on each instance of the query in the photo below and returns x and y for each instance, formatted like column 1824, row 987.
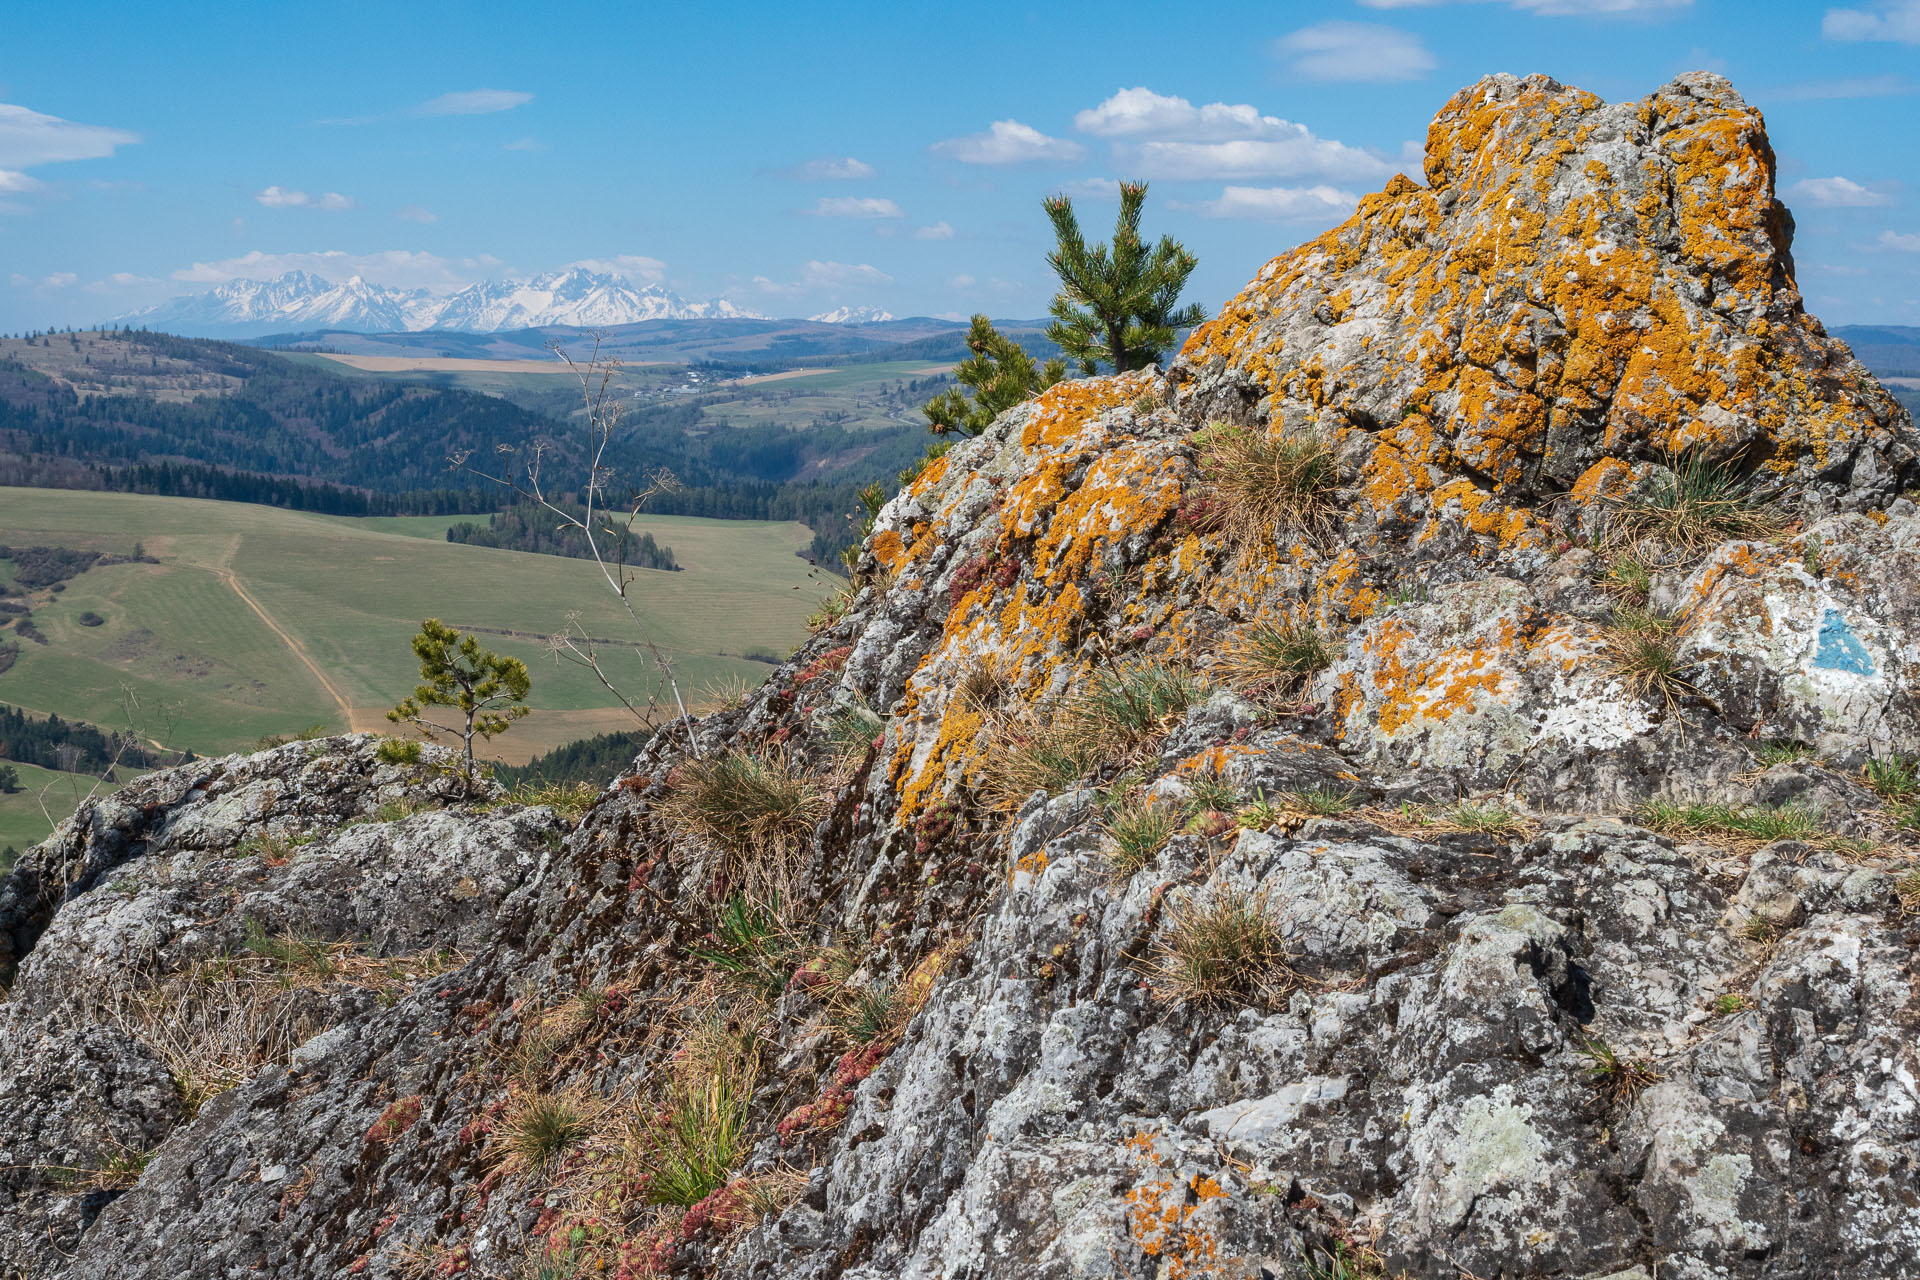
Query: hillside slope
column 1457, row 821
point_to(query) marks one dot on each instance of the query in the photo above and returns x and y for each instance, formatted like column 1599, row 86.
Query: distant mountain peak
column 852, row 315
column 297, row 300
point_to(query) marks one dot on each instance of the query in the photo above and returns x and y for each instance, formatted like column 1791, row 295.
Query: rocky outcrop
column 1475, row 939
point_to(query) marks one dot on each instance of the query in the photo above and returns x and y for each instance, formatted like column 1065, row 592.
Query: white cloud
column 1010, row 142
column 28, row 138
column 58, row 280
column 1837, row 193
column 11, row 181
column 414, row 213
column 824, row 275
column 1557, row 8
column 1300, row 156
column 1355, row 52
column 525, row 144
column 1279, row 204
column 119, row 282
column 400, row 268
column 855, row 207
column 282, row 198
column 1158, row 136
column 831, row 169
column 631, row 265
column 1895, row 20
column 1091, row 189
column 1904, row 243
column 1134, row 112
column 941, row 230
column 473, row 102
column 962, row 281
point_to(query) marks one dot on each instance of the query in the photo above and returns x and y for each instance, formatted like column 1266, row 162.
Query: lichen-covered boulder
column 1579, row 282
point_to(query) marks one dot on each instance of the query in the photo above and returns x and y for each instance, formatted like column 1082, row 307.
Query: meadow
column 22, row 823
column 258, row 621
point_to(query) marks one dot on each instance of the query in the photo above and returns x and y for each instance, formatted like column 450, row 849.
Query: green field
column 259, row 621
column 22, row 824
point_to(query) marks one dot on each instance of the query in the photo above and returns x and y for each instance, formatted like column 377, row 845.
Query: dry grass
column 216, row 1023
column 1137, row 830
column 759, row 810
column 1275, row 658
column 1643, row 650
column 1258, row 484
column 1619, row 1079
column 1693, row 507
column 687, row 1146
column 538, row 1129
column 728, row 693
column 1221, row 949
column 1117, row 711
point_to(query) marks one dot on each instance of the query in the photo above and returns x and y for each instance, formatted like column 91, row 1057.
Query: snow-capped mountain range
column 300, row 300
column 852, row 315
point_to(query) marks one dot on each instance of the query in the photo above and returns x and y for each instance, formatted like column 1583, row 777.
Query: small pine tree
column 1117, row 304
column 486, row 688
column 1001, row 374
column 9, row 779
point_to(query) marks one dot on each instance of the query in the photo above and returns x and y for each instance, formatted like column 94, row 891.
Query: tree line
column 527, row 526
column 70, row 746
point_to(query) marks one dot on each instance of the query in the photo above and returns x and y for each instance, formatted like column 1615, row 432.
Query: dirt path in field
column 294, row 646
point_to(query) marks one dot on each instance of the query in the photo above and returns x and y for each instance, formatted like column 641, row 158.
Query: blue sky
column 795, row 157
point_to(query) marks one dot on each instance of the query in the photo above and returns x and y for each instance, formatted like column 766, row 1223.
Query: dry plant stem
column 603, row 413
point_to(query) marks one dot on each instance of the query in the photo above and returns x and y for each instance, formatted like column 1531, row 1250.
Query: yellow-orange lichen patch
column 887, row 549
column 930, row 475
column 1214, row 759
column 1065, row 408
column 1605, row 481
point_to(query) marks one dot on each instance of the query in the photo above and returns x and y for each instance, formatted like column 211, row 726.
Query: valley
column 256, row 621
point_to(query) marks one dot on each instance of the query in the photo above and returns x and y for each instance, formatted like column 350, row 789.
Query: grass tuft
column 540, row 1128
column 1627, row 578
column 688, row 1147
column 1643, row 650
column 1209, row 791
column 1260, row 484
column 1620, row 1079
column 1489, row 819
column 1781, row 751
column 1894, row 778
column 1223, row 949
column 866, row 1014
column 1763, row 825
column 1138, row 830
column 568, row 800
column 1276, row 657
column 1136, row 702
column 1322, row 802
column 1691, row 508
column 750, row 945
column 759, row 809
column 852, row 729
